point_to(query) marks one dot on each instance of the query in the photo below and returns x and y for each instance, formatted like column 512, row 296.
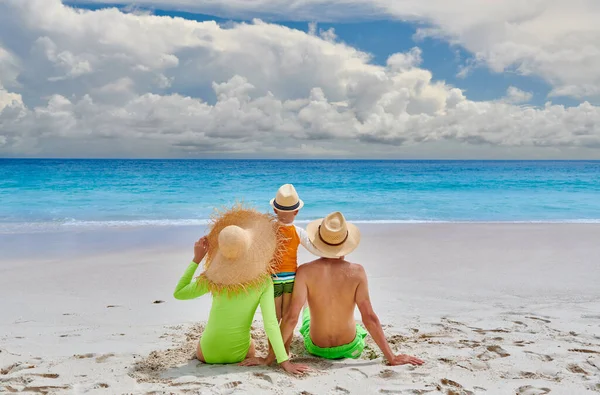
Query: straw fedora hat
column 333, row 236
column 243, row 249
column 287, row 199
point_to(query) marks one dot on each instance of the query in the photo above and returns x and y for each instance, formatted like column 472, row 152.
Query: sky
column 394, row 79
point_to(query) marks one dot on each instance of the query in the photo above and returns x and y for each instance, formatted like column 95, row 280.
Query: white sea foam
column 71, row 225
column 77, row 225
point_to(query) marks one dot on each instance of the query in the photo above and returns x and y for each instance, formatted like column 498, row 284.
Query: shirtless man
column 333, row 287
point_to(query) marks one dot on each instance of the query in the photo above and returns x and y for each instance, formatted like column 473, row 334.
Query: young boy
column 286, row 205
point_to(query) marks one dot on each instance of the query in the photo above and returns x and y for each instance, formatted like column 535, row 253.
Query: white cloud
column 72, row 66
column 556, row 40
column 515, row 95
column 9, row 67
column 8, row 99
column 157, row 86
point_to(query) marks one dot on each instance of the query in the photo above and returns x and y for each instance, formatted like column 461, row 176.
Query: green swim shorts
column 281, row 288
column 351, row 350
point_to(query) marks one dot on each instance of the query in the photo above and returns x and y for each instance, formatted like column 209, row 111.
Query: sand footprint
column 15, row 367
column 453, row 388
column 46, row 375
column 46, row 389
column 470, row 343
column 447, row 361
column 591, row 316
column 474, row 365
column 530, row 390
column 493, row 352
column 529, row 375
column 388, row 374
column 340, row 390
column 522, row 343
column 584, row 351
column 539, row 319
column 264, row 376
column 486, row 331
column 595, row 362
column 230, row 387
column 574, row 368
column 103, row 358
column 84, row 356
column 541, row 357
column 360, row 372
column 450, row 383
column 532, row 376
column 498, row 350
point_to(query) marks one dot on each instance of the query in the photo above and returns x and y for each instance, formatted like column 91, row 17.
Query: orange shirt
column 289, row 262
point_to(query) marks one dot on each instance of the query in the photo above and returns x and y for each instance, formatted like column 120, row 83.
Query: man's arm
column 371, row 321
column 290, row 319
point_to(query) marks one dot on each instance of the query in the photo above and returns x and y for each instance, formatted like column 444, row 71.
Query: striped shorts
column 283, row 283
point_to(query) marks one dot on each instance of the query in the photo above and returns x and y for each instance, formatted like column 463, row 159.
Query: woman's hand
column 200, row 249
column 294, row 368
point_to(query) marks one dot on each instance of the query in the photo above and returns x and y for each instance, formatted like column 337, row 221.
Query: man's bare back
column 331, row 286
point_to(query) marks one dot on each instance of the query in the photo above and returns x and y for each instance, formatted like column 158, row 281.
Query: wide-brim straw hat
column 287, row 199
column 243, row 249
column 333, row 236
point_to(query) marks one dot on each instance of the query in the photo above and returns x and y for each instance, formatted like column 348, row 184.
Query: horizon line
column 309, row 159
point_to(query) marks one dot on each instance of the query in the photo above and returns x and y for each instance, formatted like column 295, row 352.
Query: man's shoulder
column 323, row 263
column 308, row 265
column 312, row 265
column 357, row 269
column 353, row 265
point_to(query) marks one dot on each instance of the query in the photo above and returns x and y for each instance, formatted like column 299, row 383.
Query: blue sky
column 383, row 38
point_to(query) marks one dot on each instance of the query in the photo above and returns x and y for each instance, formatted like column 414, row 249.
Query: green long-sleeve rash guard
column 226, row 337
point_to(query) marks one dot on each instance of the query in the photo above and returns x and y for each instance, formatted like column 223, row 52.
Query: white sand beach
column 491, row 308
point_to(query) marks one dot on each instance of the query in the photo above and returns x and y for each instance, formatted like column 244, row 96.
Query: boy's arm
column 306, row 243
column 371, row 322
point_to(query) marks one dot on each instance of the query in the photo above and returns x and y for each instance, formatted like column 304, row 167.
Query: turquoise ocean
column 38, row 195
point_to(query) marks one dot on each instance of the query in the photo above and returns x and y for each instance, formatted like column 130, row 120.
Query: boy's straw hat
column 333, row 236
column 243, row 249
column 287, row 199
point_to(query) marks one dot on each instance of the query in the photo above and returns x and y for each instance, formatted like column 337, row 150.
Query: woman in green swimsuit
column 241, row 249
